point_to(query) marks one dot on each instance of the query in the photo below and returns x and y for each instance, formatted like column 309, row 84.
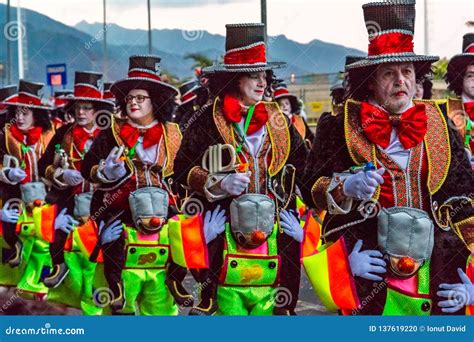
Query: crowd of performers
column 113, row 194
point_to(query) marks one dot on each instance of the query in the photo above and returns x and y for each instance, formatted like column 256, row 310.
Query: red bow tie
column 377, row 126
column 469, row 108
column 151, row 136
column 32, row 135
column 232, row 111
column 80, row 136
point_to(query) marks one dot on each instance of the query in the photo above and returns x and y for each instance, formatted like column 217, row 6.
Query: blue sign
column 56, row 74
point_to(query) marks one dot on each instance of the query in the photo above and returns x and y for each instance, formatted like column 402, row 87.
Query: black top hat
column 61, row 97
column 245, row 50
column 144, row 73
column 108, row 95
column 7, row 92
column 460, row 61
column 87, row 87
column 29, row 95
column 350, row 59
column 187, row 91
column 390, row 26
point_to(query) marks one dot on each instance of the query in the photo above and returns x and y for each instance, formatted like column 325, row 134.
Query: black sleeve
column 298, row 155
column 48, row 156
column 99, row 150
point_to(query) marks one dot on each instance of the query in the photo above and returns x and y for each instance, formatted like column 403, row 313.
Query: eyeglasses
column 85, row 108
column 138, row 98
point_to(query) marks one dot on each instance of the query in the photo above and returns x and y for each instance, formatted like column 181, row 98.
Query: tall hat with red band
column 29, row 95
column 108, row 95
column 87, row 88
column 187, row 91
column 144, row 73
column 460, row 61
column 61, row 98
column 245, row 50
column 6, row 93
column 281, row 92
column 391, row 25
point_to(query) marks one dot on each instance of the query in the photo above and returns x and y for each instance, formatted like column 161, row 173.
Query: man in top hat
column 460, row 79
column 387, row 169
column 60, row 165
column 291, row 107
column 271, row 155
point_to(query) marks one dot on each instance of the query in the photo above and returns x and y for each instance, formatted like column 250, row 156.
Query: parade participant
column 193, row 97
column 395, row 159
column 22, row 143
column 460, row 80
column 5, row 94
column 265, row 150
column 60, row 115
column 291, row 107
column 60, row 165
column 424, row 88
column 132, row 162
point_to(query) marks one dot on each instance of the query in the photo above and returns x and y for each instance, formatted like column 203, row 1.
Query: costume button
column 426, row 306
column 133, row 250
column 25, row 227
column 162, row 251
column 272, row 265
column 233, row 264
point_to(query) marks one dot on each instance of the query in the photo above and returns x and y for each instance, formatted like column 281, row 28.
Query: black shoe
column 204, row 309
column 181, row 296
column 17, row 256
column 117, row 302
column 57, row 276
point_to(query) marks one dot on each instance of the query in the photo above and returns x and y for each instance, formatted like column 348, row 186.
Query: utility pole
column 426, row 27
column 20, row 42
column 104, row 28
column 9, row 65
column 263, row 10
column 149, row 28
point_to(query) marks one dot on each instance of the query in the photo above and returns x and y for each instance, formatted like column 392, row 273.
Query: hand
column 15, row 174
column 362, row 185
column 110, row 233
column 214, row 223
column 72, row 177
column 291, row 226
column 235, row 183
column 364, row 264
column 114, row 167
column 459, row 295
column 9, row 215
column 65, row 222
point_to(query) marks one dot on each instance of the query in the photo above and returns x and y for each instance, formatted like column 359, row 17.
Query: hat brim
column 460, row 61
column 73, row 99
column 19, row 104
column 156, row 88
column 218, row 68
column 395, row 58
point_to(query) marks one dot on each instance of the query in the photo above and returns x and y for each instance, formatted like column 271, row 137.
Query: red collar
column 81, row 135
column 28, row 138
column 232, row 111
column 151, row 136
column 377, row 125
column 469, row 108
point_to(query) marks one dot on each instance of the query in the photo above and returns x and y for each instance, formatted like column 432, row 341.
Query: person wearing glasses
column 132, row 161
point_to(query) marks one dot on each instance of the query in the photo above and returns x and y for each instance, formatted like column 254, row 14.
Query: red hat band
column 393, row 42
column 86, row 90
column 469, row 49
column 280, row 92
column 251, row 54
column 143, row 74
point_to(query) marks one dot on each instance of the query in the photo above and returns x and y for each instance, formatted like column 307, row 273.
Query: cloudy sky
column 337, row 21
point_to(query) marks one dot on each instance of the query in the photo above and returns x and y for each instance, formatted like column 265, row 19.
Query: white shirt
column 148, row 155
column 254, row 141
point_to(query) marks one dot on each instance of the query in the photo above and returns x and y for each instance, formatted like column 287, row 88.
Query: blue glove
column 65, row 222
column 459, row 295
column 110, row 233
column 9, row 215
column 363, row 184
column 214, row 223
column 15, row 174
column 291, row 225
column 364, row 264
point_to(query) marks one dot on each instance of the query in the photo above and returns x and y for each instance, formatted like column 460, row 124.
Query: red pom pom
column 406, row 265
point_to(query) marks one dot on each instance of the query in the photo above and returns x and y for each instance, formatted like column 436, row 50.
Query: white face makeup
column 84, row 114
column 252, row 88
column 285, row 105
column 24, row 118
column 468, row 83
column 139, row 107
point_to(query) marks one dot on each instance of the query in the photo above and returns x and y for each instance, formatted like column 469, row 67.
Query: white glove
column 235, row 183
column 114, row 167
column 110, row 233
column 65, row 222
column 362, row 185
column 9, row 215
column 15, row 174
column 72, row 177
column 291, row 225
column 214, row 223
column 364, row 264
column 459, row 295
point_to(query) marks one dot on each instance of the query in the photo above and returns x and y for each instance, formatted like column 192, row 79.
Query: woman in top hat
column 290, row 106
column 60, row 165
column 398, row 159
column 460, row 79
column 132, row 161
column 22, row 143
column 267, row 148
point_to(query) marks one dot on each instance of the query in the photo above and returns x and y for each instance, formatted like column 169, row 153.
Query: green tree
column 440, row 68
column 200, row 61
